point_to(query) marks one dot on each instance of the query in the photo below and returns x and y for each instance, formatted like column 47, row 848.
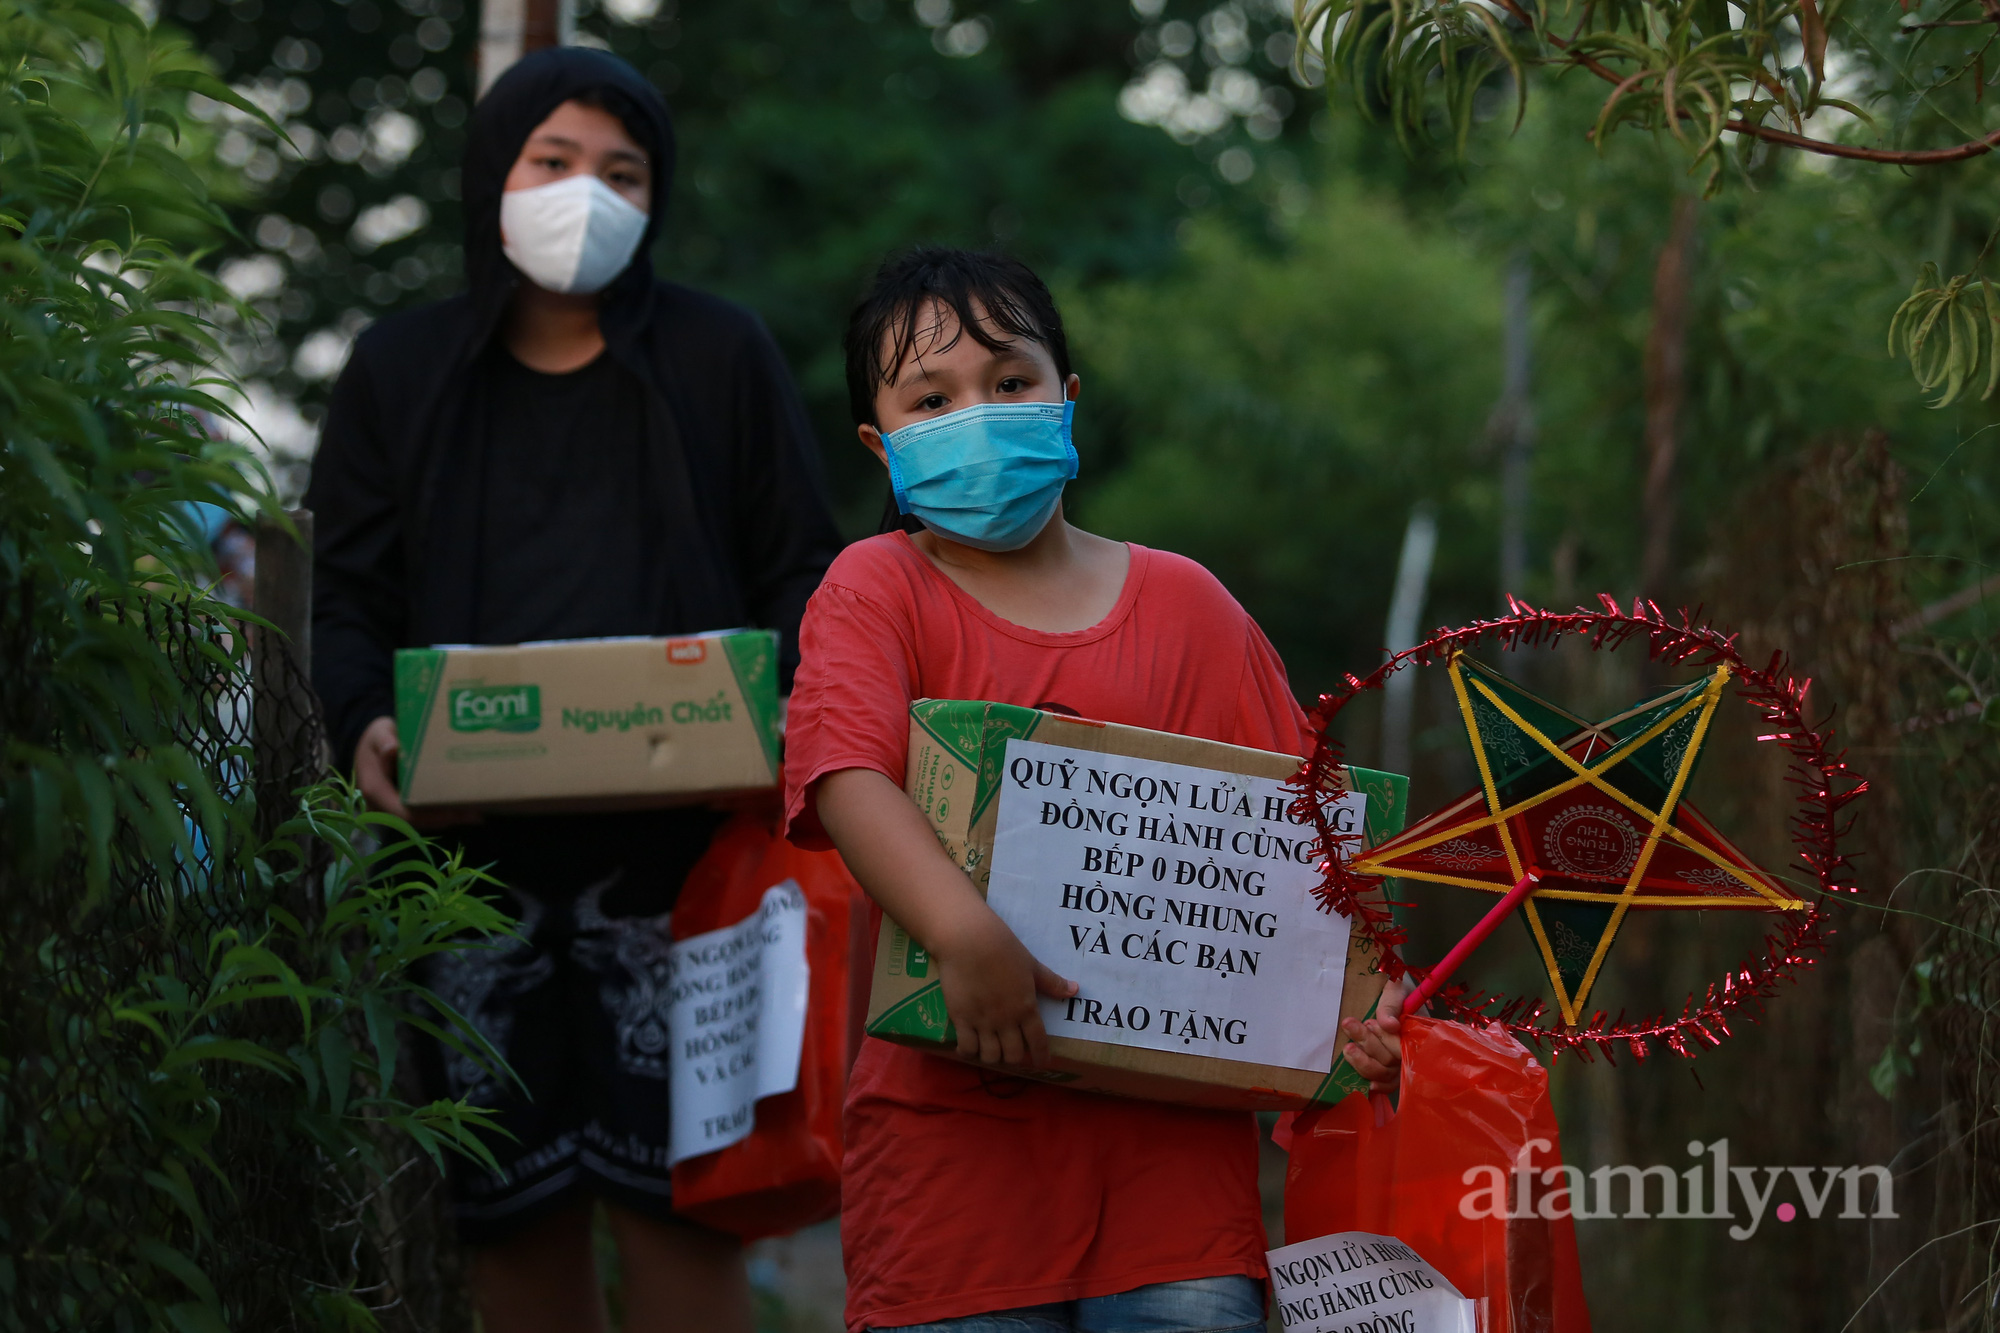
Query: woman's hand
column 375, row 773
column 1375, row 1045
column 990, row 984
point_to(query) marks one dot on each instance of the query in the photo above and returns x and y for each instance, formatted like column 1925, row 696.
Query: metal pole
column 1666, row 391
column 1514, row 420
column 509, row 29
column 1406, row 609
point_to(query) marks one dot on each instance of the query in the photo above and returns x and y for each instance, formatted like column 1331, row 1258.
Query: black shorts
column 577, row 1007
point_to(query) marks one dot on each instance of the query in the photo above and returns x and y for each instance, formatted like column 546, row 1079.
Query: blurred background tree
column 815, row 139
column 1737, row 89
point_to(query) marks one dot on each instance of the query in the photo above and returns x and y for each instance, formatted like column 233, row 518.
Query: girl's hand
column 1375, row 1045
column 990, row 984
column 990, row 979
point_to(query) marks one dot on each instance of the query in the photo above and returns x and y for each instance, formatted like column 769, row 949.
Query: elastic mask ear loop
column 897, row 486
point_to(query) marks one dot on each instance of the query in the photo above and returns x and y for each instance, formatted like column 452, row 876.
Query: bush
column 200, row 1001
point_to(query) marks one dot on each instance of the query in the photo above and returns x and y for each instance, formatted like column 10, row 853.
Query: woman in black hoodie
column 570, row 449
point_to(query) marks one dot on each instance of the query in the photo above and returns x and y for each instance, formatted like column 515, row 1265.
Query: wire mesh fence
column 110, row 1190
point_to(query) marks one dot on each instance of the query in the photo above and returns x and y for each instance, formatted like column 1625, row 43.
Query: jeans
column 1199, row 1305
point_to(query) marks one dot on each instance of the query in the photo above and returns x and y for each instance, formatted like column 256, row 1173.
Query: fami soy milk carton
column 588, row 723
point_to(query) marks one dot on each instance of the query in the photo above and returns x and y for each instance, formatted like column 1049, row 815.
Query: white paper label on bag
column 1179, row 899
column 736, row 1018
column 1355, row 1280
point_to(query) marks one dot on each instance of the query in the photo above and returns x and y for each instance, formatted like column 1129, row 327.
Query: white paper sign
column 1178, row 899
column 1358, row 1282
column 736, row 1018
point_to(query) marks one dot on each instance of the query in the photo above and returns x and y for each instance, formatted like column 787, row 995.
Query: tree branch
column 1601, row 71
column 1917, row 157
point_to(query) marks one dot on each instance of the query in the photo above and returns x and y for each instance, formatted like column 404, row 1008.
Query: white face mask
column 572, row 235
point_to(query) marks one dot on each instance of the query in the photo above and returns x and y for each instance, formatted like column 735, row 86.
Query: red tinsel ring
column 1825, row 785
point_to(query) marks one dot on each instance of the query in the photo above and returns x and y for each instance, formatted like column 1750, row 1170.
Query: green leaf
column 237, row 1050
column 201, row 81
column 172, row 1180
column 93, row 790
column 170, row 1260
column 190, row 1317
column 1889, row 1071
column 340, row 1310
column 381, row 1020
column 336, row 1058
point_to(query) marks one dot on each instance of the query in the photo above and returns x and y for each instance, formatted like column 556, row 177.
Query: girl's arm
column 990, row 979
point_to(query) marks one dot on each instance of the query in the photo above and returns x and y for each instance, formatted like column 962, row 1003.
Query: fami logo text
column 496, row 708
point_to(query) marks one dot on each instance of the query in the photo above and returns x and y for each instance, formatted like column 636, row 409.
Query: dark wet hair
column 1015, row 302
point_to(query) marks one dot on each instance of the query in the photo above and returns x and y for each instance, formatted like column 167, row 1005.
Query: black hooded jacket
column 399, row 483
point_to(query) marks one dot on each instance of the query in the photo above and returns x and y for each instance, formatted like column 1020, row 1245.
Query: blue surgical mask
column 989, row 475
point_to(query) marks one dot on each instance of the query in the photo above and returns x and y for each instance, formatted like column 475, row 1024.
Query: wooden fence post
column 285, row 744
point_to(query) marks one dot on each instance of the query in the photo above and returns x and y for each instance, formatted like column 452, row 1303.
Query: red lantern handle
column 1439, row 975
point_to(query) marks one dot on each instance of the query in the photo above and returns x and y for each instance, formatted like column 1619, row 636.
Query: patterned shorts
column 578, row 1008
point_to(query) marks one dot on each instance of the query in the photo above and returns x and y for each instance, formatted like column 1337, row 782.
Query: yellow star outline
column 1702, row 703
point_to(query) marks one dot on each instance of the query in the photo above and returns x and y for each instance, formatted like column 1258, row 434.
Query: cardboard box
column 588, row 723
column 1221, row 886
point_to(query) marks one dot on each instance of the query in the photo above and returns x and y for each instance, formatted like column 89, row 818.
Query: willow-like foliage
column 1731, row 83
column 1695, row 70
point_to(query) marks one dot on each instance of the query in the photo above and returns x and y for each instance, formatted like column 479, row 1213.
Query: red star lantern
column 1579, row 824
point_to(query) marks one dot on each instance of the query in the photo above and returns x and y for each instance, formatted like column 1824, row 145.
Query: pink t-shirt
column 965, row 1191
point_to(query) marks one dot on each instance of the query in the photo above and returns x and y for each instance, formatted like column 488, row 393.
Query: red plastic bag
column 1474, row 1134
column 786, row 1174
